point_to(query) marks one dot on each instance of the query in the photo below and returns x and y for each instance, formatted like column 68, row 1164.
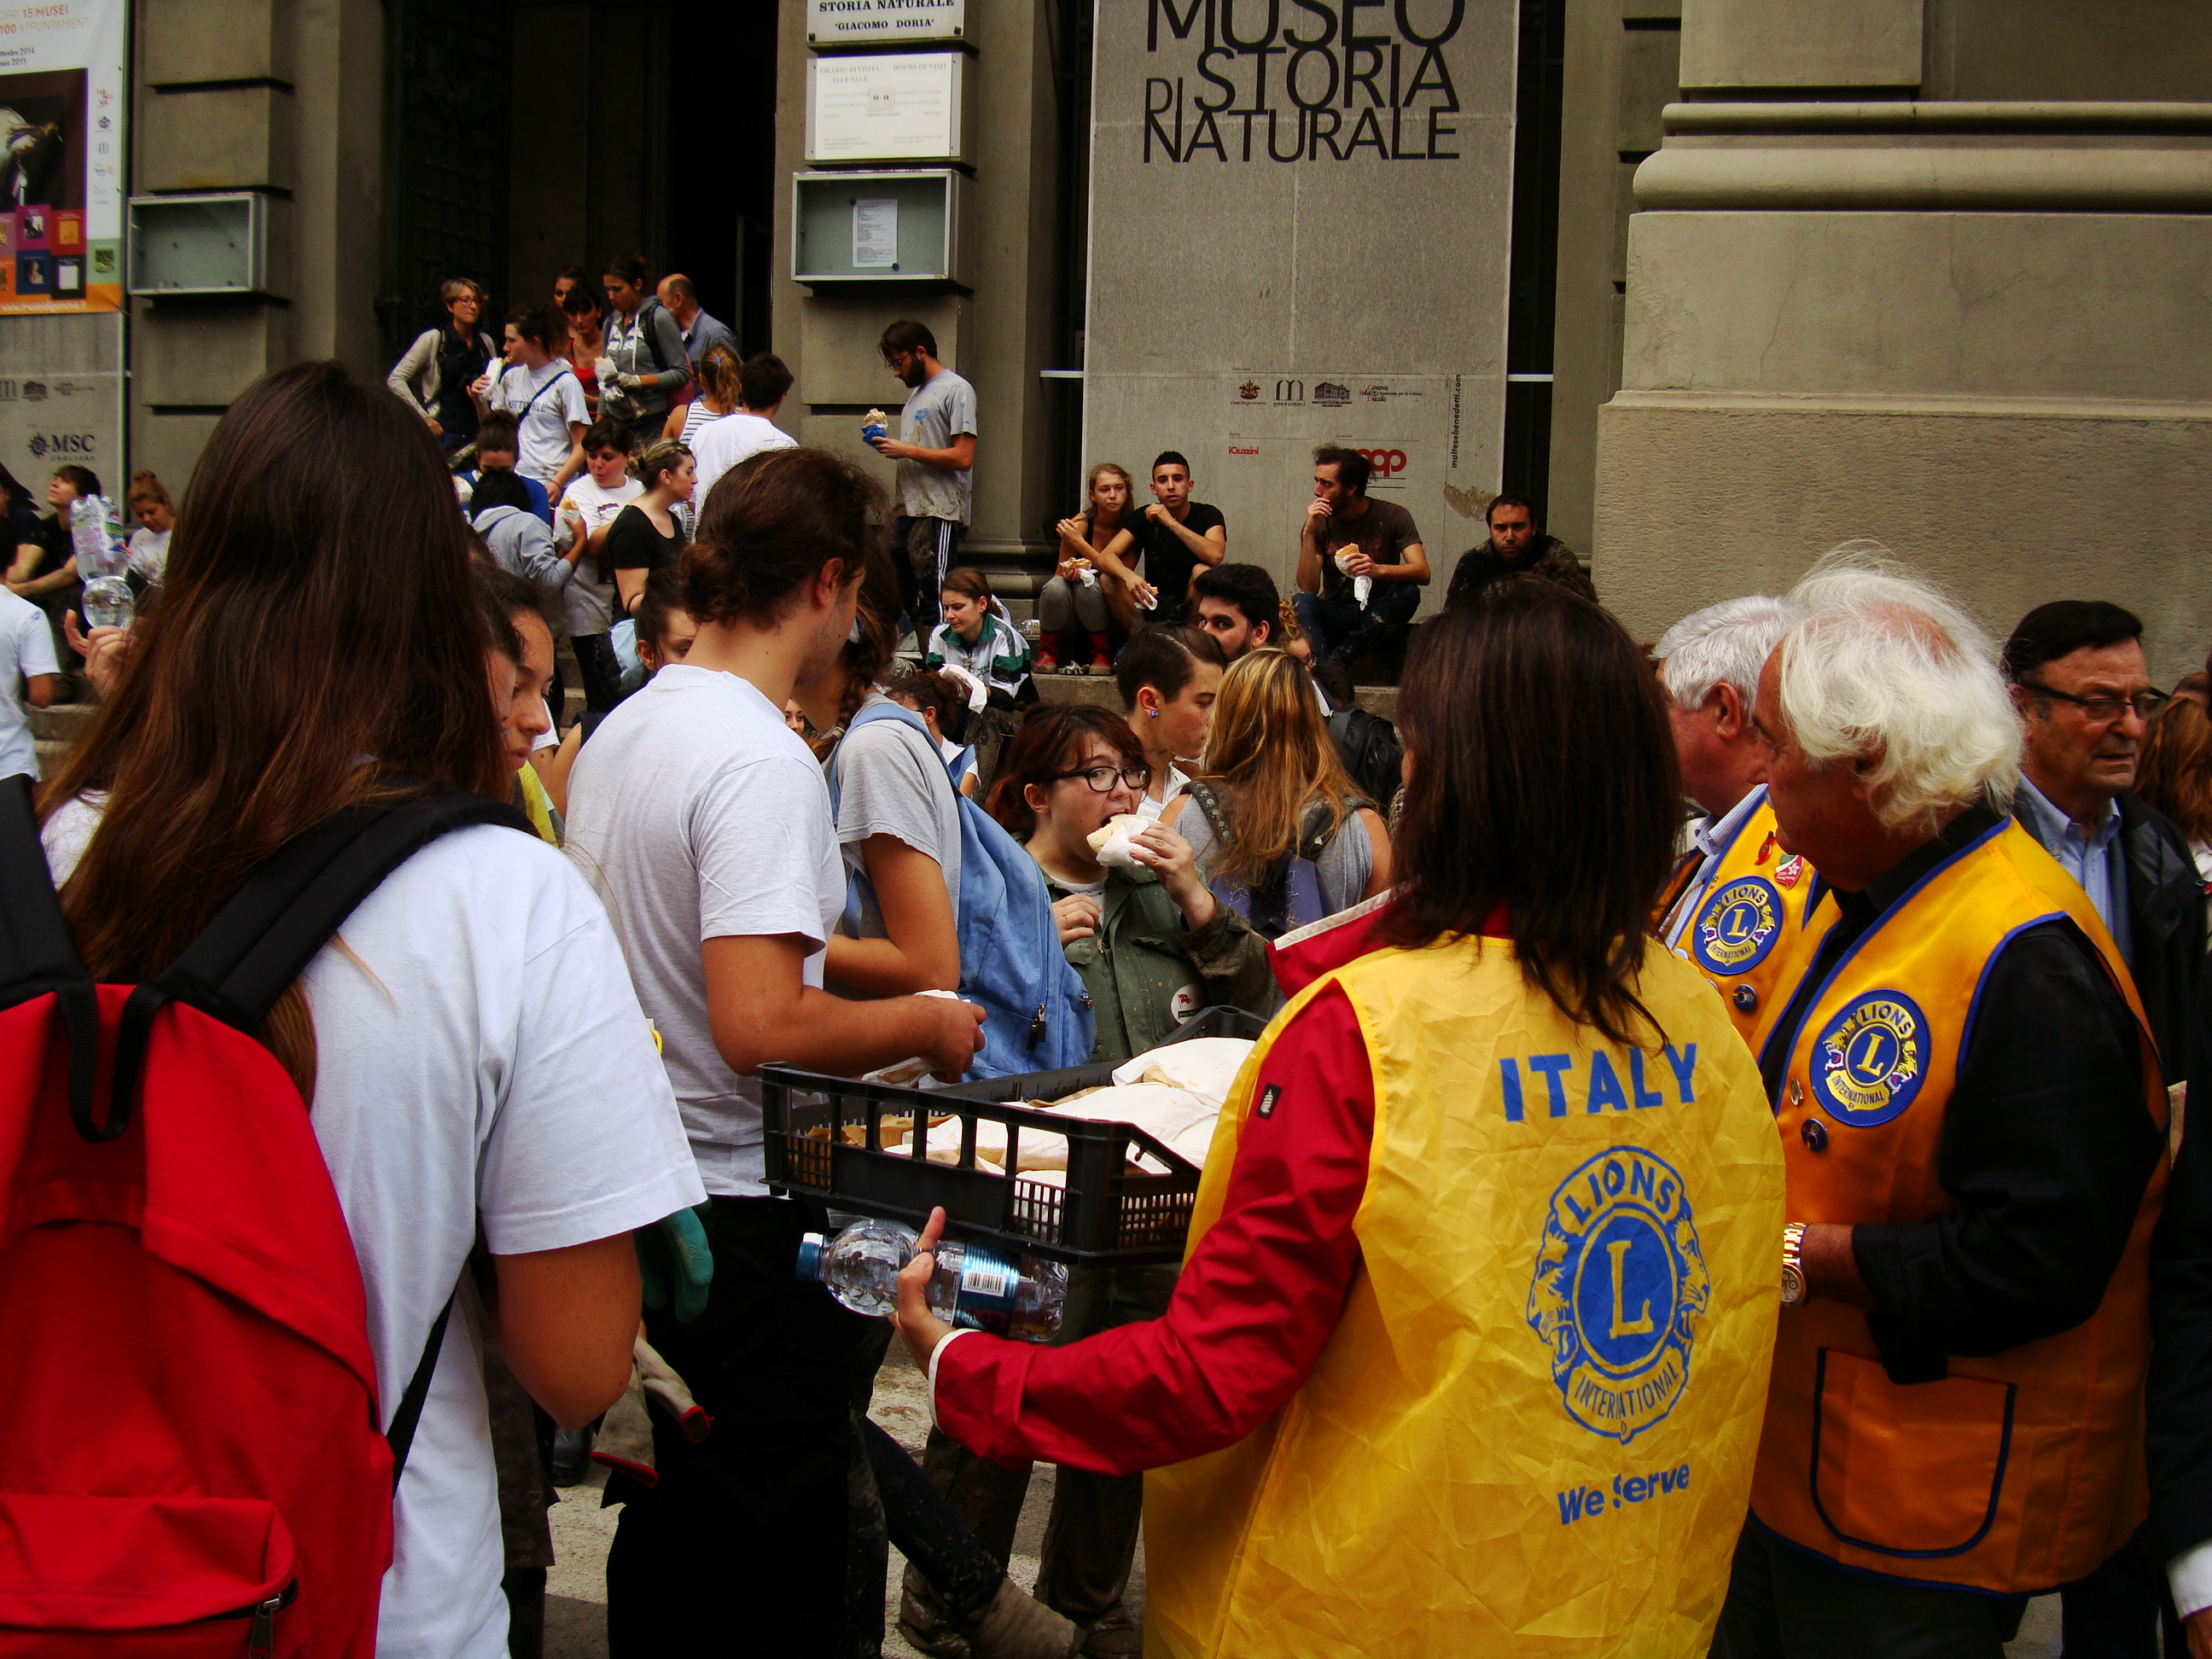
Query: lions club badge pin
column 1619, row 1287
column 1871, row 1058
column 1738, row 926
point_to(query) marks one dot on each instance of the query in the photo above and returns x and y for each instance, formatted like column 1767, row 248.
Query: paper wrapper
column 912, row 1073
column 1109, row 843
column 1361, row 586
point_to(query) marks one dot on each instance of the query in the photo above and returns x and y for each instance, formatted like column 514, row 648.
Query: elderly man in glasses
column 2086, row 701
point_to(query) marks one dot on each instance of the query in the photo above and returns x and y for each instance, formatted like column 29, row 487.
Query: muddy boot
column 1017, row 1625
column 1117, row 1636
column 926, row 1623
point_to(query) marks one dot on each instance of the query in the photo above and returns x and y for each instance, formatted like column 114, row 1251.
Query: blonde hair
column 145, row 487
column 717, row 369
column 1268, row 757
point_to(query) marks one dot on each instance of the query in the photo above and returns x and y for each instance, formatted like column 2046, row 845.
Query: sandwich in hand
column 1109, row 842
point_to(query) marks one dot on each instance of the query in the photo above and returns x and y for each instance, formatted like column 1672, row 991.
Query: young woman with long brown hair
column 1279, row 832
column 473, row 1058
column 1488, row 1225
column 1090, row 544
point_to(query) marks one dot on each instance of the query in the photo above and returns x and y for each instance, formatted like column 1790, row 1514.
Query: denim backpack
column 1036, row 1015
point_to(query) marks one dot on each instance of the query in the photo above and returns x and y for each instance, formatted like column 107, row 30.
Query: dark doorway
column 1535, row 266
column 721, row 208
column 446, row 157
column 647, row 127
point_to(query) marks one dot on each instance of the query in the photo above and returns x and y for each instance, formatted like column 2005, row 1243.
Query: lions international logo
column 1739, row 926
column 1619, row 1286
column 1868, row 1063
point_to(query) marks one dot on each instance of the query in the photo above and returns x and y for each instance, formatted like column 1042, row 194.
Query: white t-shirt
column 26, row 647
column 698, row 814
column 149, row 553
column 588, row 598
column 949, row 749
column 478, row 1054
column 542, row 440
column 737, row 436
column 1178, row 780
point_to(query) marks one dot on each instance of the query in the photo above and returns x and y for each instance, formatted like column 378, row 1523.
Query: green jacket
column 1147, row 973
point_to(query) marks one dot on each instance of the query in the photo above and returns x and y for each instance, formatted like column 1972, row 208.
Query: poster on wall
column 61, row 156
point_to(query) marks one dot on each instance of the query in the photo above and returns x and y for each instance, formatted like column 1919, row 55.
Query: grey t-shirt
column 695, row 814
column 1346, row 865
column 936, row 413
column 890, row 781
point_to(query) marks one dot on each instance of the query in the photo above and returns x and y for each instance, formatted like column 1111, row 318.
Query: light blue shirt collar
column 2093, row 857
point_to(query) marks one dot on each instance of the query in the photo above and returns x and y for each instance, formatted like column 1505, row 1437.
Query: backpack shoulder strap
column 36, row 953
column 259, row 942
column 1210, row 804
column 400, row 1436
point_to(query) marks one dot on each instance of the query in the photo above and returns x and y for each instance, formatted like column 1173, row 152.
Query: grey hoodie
column 518, row 540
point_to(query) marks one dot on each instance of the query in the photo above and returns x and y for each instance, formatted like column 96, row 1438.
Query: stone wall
column 1300, row 238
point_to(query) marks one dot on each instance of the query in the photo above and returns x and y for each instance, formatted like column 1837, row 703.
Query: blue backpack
column 1036, row 1015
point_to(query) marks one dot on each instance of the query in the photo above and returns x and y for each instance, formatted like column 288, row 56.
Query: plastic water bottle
column 973, row 1286
column 96, row 537
column 108, row 603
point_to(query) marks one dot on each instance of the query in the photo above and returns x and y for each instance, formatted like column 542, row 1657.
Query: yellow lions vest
column 1755, row 927
column 2017, row 1473
column 1532, row 1431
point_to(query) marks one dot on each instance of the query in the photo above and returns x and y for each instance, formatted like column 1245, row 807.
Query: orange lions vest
column 1757, row 924
column 2015, row 1473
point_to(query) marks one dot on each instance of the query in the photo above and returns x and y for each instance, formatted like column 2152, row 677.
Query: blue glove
column 673, row 1251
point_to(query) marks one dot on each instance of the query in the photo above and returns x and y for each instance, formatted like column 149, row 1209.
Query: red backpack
column 193, row 1461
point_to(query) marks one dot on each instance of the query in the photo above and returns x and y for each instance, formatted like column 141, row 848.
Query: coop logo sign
column 1283, row 80
column 1387, row 463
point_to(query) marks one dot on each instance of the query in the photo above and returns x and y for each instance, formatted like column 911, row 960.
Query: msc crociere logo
column 1618, row 1288
column 1739, row 926
column 1871, row 1060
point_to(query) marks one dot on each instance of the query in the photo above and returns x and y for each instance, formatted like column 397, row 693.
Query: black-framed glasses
column 2106, row 705
column 1102, row 778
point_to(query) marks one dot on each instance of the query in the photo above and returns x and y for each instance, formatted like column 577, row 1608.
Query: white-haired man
column 1736, row 906
column 1974, row 1131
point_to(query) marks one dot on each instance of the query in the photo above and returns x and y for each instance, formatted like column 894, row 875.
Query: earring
column 1152, row 714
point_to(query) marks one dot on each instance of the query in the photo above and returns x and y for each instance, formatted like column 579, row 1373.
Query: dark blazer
column 2166, row 908
column 2165, row 916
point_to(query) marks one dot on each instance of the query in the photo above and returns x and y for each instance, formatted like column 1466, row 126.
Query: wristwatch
column 1793, row 1264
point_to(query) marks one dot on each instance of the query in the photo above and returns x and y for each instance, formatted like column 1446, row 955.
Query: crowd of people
column 1714, row 1177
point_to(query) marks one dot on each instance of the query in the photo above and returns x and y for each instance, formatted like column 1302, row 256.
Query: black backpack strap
column 288, row 910
column 400, row 1436
column 36, row 954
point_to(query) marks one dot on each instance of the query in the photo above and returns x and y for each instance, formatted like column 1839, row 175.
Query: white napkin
column 1109, row 843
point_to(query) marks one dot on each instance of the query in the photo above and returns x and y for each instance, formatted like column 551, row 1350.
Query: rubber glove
column 673, row 1254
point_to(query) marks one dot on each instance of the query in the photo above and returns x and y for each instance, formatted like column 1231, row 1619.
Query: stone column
column 998, row 332
column 1971, row 327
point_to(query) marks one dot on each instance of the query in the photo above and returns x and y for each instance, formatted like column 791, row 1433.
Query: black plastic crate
column 1104, row 1214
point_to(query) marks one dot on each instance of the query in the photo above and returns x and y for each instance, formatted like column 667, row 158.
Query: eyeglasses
column 1102, row 778
column 2105, row 707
